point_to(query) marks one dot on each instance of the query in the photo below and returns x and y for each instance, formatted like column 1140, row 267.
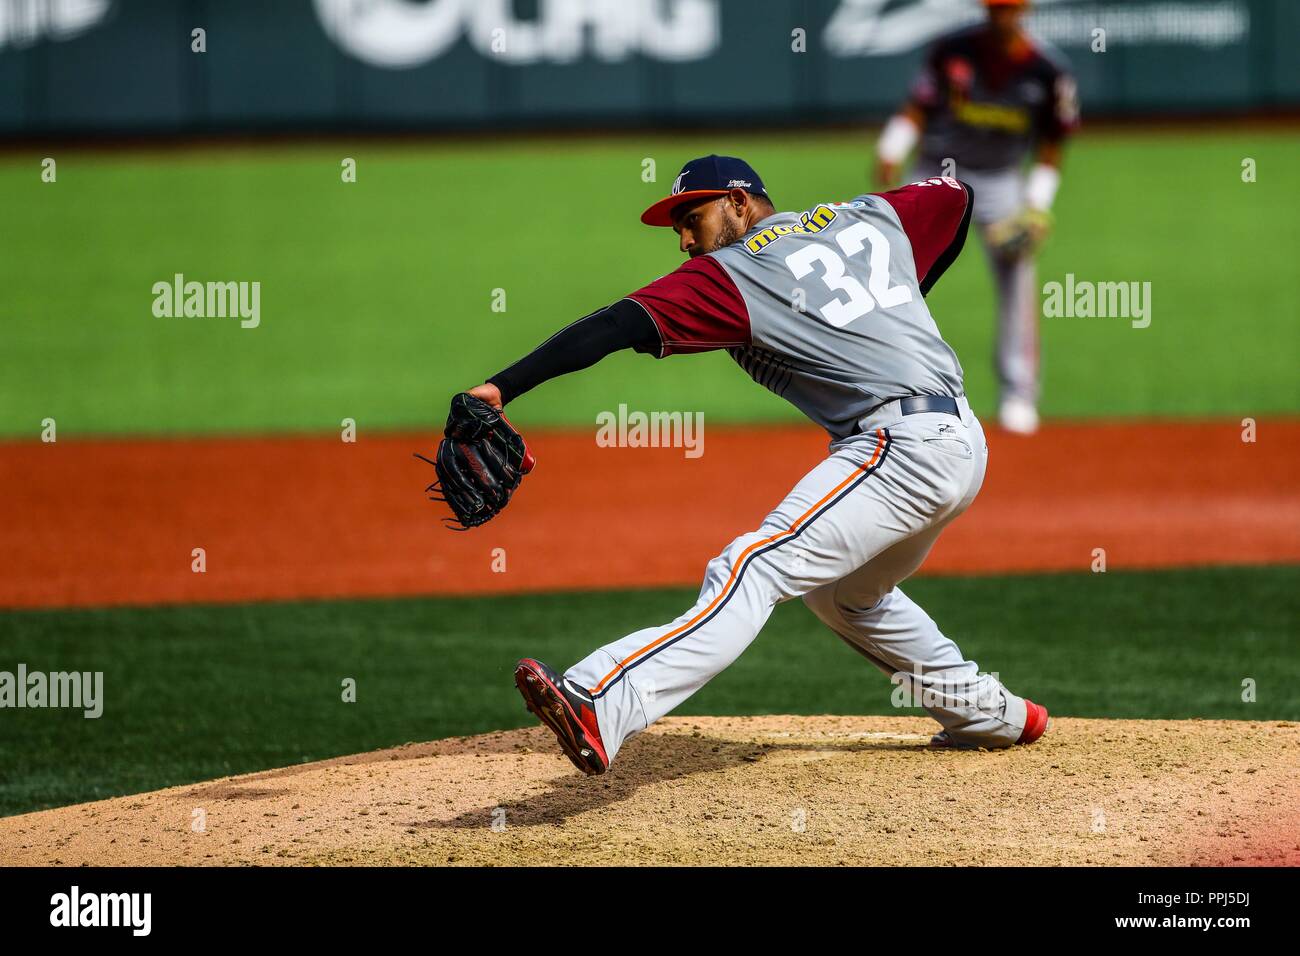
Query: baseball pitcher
column 985, row 99
column 826, row 308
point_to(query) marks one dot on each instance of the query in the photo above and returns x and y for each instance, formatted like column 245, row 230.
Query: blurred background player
column 986, row 98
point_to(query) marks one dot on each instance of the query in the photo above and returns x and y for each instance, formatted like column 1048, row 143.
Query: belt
column 884, row 413
column 914, row 404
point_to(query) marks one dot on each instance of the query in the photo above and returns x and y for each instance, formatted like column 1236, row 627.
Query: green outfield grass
column 197, row 692
column 376, row 296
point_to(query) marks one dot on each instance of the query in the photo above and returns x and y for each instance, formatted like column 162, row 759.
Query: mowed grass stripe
column 197, row 692
column 376, row 297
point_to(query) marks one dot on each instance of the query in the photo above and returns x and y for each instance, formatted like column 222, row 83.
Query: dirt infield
column 117, row 522
column 744, row 790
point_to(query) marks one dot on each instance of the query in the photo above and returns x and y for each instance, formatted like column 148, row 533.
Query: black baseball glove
column 480, row 462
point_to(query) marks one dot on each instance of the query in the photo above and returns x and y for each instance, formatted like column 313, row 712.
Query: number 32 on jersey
column 834, row 272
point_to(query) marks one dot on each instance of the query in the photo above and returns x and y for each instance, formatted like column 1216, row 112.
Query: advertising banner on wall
column 201, row 65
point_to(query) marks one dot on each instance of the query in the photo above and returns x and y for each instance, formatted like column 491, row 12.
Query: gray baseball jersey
column 826, row 307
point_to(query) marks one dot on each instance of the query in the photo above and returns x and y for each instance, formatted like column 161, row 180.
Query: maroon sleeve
column 934, row 216
column 696, row 308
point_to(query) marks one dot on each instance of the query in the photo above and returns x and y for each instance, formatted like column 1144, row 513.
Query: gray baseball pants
column 854, row 527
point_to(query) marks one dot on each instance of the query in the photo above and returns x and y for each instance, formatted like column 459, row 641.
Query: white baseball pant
column 853, row 528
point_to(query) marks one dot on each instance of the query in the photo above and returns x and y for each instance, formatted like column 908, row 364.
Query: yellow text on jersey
column 814, row 220
column 1013, row 119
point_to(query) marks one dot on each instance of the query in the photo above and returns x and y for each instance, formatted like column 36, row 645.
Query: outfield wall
column 112, row 66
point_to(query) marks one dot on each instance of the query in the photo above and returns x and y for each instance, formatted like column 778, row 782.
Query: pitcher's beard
column 729, row 233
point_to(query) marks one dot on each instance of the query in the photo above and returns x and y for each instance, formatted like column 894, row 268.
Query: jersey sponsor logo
column 1011, row 119
column 814, row 220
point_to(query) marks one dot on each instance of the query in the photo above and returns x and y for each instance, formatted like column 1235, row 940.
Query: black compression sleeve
column 623, row 325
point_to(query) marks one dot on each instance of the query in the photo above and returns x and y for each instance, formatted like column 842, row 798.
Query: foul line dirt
column 100, row 522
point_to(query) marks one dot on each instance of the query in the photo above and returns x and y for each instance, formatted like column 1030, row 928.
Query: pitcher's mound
column 727, row 790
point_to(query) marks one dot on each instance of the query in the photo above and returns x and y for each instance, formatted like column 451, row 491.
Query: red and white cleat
column 567, row 710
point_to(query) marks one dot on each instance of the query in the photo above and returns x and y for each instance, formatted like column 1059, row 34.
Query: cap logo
column 739, row 184
column 677, row 183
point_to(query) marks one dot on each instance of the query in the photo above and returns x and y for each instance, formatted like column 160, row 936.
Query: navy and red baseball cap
column 705, row 178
